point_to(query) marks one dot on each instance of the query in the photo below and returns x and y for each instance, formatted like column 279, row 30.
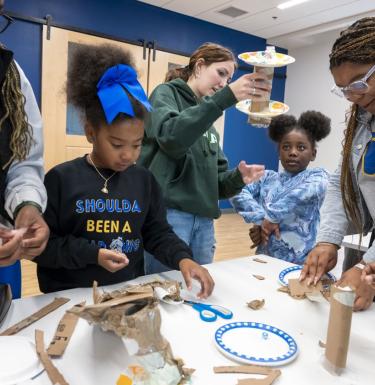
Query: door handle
column 144, row 45
column 153, row 47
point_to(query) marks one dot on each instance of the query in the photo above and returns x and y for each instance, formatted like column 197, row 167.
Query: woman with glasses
column 22, row 193
column 350, row 199
column 181, row 146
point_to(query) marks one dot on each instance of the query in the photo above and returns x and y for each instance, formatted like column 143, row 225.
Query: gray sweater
column 334, row 224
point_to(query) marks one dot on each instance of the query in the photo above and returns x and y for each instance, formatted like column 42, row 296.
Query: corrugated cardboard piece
column 54, row 375
column 56, row 303
column 271, row 374
column 63, row 334
column 300, row 290
column 338, row 333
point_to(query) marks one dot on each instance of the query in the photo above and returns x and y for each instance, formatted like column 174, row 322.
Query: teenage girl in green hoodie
column 181, row 146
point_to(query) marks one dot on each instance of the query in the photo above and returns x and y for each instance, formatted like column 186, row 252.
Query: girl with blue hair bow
column 104, row 210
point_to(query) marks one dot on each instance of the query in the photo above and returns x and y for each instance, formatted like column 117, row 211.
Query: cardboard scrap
column 256, row 304
column 132, row 313
column 248, row 369
column 262, row 381
column 63, row 334
column 283, row 289
column 260, row 277
column 259, row 260
column 271, row 374
column 338, row 332
column 300, row 290
column 56, row 303
column 53, row 373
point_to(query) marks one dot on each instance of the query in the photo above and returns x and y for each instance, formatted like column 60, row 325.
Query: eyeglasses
column 5, row 22
column 359, row 87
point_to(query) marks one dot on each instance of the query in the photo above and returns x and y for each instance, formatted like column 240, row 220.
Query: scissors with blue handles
column 209, row 313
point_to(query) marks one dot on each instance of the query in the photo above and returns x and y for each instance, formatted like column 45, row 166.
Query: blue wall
column 133, row 20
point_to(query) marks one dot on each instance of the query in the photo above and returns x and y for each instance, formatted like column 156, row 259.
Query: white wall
column 308, row 87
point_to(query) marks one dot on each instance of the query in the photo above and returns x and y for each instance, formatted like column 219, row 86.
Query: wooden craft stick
column 56, row 303
column 53, row 373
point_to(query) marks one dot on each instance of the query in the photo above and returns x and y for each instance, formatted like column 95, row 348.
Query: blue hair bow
column 112, row 95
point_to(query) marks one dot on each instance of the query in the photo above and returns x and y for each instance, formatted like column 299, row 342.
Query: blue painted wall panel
column 133, row 20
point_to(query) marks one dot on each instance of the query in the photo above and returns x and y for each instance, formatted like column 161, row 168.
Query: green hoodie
column 181, row 148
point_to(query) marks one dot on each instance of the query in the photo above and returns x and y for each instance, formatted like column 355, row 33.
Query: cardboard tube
column 338, row 333
column 261, row 106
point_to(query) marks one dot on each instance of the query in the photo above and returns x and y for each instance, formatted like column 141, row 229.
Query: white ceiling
column 300, row 25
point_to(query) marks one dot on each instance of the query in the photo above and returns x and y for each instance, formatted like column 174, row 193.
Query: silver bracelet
column 360, row 266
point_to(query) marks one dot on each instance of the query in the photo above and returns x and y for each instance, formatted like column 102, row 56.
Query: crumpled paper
column 132, row 313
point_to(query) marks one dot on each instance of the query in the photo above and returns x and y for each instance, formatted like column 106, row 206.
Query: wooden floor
column 232, row 242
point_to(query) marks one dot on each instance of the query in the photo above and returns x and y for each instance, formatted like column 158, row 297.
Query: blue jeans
column 197, row 232
column 12, row 275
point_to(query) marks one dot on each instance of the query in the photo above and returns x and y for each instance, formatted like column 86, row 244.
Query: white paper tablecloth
column 97, row 357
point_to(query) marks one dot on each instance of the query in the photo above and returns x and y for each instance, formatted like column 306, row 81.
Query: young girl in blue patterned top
column 284, row 206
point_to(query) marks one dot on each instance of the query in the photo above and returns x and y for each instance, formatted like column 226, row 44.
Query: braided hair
column 356, row 45
column 14, row 110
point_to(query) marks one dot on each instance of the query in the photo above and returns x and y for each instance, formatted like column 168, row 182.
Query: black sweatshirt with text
column 82, row 219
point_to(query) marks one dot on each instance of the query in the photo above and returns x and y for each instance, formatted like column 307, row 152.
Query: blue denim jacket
column 334, row 224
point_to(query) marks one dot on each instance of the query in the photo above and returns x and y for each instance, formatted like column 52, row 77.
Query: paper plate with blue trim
column 256, row 343
column 294, row 272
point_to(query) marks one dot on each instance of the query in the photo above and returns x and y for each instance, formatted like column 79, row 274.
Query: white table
column 97, row 357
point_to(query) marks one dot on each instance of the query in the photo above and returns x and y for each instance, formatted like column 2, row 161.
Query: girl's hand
column 191, row 270
column 112, row 260
column 255, row 86
column 255, row 236
column 269, row 228
column 250, row 173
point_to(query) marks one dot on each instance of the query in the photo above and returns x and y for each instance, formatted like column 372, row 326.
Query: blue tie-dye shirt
column 292, row 201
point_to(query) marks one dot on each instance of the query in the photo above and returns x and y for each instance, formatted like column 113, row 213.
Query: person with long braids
column 182, row 147
column 22, row 194
column 103, row 209
column 350, row 202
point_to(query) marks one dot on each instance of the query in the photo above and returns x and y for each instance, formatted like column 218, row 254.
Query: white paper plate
column 261, row 59
column 274, row 109
column 256, row 343
column 294, row 272
column 18, row 360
